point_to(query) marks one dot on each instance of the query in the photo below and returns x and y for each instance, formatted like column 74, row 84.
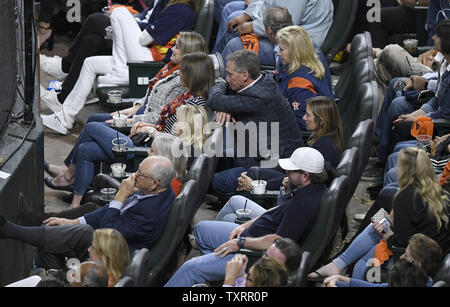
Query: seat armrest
column 441, row 126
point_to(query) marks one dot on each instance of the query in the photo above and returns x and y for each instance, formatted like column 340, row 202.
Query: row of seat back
column 362, row 107
column 362, row 138
column 361, row 48
column 344, row 16
column 324, row 228
column 163, row 253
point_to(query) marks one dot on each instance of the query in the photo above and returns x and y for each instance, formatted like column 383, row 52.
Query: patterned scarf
column 171, row 108
column 159, row 51
column 166, row 71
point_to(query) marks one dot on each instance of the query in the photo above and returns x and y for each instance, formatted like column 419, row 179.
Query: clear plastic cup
column 118, row 170
column 259, row 187
column 115, row 96
column 243, row 215
column 120, row 120
column 119, row 144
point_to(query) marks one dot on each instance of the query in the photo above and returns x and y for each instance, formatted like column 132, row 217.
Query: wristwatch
column 241, row 242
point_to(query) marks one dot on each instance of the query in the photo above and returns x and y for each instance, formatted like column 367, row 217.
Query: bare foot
column 328, row 270
column 73, row 206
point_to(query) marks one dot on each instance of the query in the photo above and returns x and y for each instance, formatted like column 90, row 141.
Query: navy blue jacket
column 261, row 103
column 141, row 225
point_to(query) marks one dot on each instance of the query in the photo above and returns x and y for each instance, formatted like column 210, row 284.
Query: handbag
column 418, row 98
column 142, row 139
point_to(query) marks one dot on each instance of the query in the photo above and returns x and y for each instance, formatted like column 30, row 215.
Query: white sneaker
column 52, row 66
column 114, row 79
column 50, row 98
column 52, row 122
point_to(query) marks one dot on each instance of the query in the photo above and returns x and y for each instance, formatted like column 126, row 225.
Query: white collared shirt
column 251, row 84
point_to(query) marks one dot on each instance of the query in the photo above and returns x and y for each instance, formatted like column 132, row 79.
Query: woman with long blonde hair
column 303, row 74
column 420, row 206
column 110, row 247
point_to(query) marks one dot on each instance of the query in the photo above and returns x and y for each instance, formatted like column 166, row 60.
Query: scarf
column 170, row 109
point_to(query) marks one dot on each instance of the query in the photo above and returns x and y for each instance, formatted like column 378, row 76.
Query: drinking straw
column 245, row 206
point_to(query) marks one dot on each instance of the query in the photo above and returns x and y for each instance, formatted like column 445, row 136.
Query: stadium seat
column 163, row 254
column 138, row 268
column 362, row 138
column 343, row 19
column 303, row 270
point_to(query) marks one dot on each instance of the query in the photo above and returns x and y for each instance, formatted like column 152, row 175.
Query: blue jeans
column 392, row 107
column 94, row 145
column 228, row 212
column 224, row 183
column 218, row 7
column 360, row 251
column 99, row 117
column 230, row 11
column 266, row 53
column 208, row 267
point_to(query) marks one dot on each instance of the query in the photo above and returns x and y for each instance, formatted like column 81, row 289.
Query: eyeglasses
column 139, row 174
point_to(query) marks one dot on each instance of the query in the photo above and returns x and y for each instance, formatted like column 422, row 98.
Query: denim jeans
column 224, row 183
column 228, row 212
column 392, row 107
column 94, row 145
column 360, row 251
column 266, row 53
column 218, row 8
column 208, row 267
column 230, row 11
column 99, row 117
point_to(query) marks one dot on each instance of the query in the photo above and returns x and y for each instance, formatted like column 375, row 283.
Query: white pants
column 126, row 45
column 126, row 48
column 93, row 66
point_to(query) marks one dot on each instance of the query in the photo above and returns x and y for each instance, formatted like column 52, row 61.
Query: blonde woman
column 191, row 129
column 303, row 74
column 171, row 147
column 420, row 206
column 109, row 247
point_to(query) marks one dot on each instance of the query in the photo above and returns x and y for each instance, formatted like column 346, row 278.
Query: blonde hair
column 189, row 42
column 191, row 120
column 414, row 168
column 113, row 250
column 301, row 50
column 328, row 119
column 171, row 147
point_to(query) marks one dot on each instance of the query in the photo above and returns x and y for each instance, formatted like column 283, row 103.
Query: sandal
column 193, row 241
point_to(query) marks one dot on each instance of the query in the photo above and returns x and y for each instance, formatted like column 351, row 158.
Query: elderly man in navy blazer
column 139, row 212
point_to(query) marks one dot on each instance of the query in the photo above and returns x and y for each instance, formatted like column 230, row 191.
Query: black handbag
column 418, row 98
column 142, row 139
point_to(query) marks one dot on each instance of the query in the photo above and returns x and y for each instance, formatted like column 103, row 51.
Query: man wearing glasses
column 139, row 212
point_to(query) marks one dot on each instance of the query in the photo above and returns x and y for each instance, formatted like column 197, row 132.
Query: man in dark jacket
column 140, row 216
column 261, row 114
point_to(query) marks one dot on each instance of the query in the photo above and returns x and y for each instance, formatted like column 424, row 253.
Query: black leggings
column 90, row 41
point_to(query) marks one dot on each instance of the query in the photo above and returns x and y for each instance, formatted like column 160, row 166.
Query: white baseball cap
column 304, row 158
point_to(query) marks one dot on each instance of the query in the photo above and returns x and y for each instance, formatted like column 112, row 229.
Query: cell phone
column 380, row 215
column 385, row 222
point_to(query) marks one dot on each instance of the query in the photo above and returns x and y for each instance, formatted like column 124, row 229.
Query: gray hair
column 171, row 147
column 277, row 18
column 163, row 171
column 246, row 60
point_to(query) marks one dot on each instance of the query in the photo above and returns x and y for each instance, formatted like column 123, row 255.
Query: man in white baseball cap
column 219, row 240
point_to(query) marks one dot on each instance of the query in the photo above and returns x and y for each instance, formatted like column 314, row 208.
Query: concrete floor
column 57, row 147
